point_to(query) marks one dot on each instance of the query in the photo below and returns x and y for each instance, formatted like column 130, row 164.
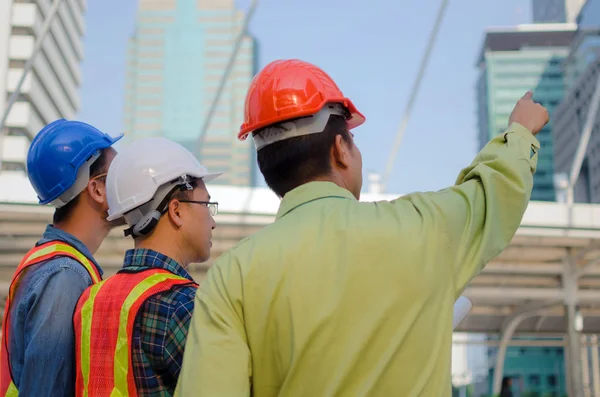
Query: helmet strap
column 313, row 124
column 142, row 224
column 145, row 225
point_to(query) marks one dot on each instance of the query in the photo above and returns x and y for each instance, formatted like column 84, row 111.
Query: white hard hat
column 143, row 173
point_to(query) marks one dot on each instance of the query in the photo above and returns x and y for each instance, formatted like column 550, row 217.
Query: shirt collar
column 52, row 233
column 154, row 260
column 310, row 192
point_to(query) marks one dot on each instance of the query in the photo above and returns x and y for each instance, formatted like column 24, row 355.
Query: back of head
column 292, row 162
column 143, row 177
column 294, row 112
column 61, row 158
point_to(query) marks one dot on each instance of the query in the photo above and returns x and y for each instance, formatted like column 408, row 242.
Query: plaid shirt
column 161, row 327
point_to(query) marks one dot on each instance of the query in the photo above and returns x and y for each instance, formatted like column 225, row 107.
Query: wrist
column 515, row 125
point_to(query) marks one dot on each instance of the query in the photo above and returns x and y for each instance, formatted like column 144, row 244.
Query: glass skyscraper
column 176, row 58
column 512, row 61
column 581, row 68
column 556, row 11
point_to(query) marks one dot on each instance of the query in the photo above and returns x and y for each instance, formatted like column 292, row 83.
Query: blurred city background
column 436, row 80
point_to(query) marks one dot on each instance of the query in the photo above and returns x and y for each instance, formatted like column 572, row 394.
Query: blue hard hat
column 58, row 151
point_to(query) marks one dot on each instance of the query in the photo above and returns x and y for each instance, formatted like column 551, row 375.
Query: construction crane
column 413, row 96
column 225, row 76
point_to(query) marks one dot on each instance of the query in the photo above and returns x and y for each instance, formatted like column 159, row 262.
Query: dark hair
column 183, row 194
column 288, row 164
column 177, row 192
column 98, row 167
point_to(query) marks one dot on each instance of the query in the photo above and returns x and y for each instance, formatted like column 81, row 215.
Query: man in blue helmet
column 67, row 165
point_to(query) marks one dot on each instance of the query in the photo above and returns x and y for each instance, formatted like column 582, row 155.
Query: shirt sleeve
column 49, row 358
column 217, row 339
column 476, row 219
column 177, row 333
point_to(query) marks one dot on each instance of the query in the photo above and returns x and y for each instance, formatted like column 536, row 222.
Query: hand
column 529, row 114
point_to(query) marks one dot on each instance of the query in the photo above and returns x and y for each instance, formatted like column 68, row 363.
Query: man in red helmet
column 339, row 297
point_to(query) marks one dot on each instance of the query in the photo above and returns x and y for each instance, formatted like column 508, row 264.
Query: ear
column 175, row 212
column 97, row 190
column 341, row 152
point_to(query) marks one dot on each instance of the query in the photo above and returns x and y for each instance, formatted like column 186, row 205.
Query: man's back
column 339, row 297
column 343, row 294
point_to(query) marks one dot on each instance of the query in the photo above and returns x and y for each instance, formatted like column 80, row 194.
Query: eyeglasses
column 213, row 207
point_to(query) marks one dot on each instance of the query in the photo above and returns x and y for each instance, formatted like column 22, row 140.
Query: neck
column 166, row 245
column 90, row 230
column 336, row 178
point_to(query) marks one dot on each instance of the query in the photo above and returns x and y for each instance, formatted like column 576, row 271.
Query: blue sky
column 372, row 49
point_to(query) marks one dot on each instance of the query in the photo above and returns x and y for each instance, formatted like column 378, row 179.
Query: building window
column 522, row 350
column 551, row 380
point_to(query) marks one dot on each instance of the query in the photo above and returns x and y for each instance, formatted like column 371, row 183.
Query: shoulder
column 177, row 301
column 61, row 271
column 183, row 307
column 54, row 285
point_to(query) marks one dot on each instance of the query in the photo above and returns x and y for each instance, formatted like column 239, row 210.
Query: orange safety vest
column 104, row 320
column 40, row 253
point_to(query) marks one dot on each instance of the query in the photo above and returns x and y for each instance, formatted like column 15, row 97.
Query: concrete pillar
column 569, row 281
column 595, row 365
column 585, row 367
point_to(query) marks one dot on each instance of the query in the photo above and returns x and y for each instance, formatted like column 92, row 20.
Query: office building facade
column 582, row 68
column 512, row 61
column 51, row 90
column 534, row 370
column 586, row 45
column 556, row 11
column 176, row 58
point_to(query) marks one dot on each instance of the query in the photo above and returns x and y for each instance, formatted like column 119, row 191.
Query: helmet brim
column 211, row 176
column 116, row 138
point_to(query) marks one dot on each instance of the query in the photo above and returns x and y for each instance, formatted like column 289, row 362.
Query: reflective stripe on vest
column 41, row 253
column 104, row 321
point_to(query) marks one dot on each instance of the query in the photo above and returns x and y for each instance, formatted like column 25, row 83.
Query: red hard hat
column 288, row 89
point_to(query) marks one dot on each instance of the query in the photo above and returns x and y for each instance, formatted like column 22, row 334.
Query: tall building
column 589, row 16
column 512, row 61
column 556, row 11
column 586, row 45
column 469, row 363
column 51, row 89
column 582, row 68
column 176, row 58
column 535, row 371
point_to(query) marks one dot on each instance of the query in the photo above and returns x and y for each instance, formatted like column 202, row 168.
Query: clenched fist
column 529, row 114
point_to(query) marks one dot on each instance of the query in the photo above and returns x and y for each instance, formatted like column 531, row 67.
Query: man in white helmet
column 131, row 329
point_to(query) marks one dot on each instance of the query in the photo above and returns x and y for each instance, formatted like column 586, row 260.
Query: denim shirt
column 42, row 342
